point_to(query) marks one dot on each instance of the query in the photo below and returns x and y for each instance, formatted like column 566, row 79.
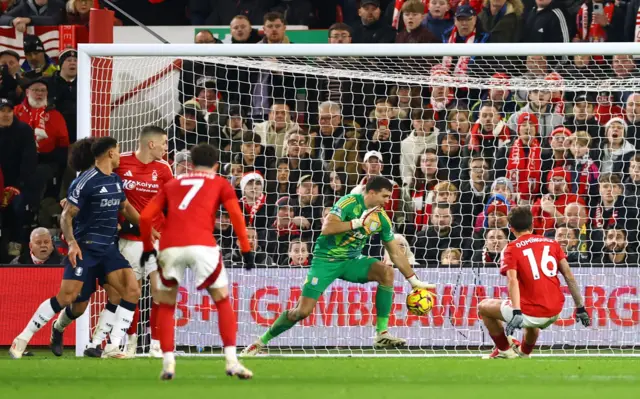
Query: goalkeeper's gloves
column 146, row 255
column 362, row 221
column 516, row 322
column 582, row 316
column 249, row 260
column 8, row 196
column 416, row 283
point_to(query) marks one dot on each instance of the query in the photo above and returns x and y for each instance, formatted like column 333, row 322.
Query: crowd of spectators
column 292, row 144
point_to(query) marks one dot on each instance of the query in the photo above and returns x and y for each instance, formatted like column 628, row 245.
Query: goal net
column 464, row 132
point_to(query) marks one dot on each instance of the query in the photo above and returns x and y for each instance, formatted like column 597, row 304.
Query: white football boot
column 168, row 370
column 384, row 340
column 512, row 353
column 132, row 345
column 17, row 348
column 238, row 370
column 253, row 349
column 154, row 349
column 112, row 351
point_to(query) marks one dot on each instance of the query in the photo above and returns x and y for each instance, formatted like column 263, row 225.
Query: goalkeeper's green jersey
column 348, row 245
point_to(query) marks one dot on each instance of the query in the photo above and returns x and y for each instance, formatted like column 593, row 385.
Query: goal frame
column 85, row 110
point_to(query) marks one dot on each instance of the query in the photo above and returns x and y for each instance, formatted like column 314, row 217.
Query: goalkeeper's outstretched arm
column 398, row 257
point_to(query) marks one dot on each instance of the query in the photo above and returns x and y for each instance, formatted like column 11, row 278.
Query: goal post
column 145, row 89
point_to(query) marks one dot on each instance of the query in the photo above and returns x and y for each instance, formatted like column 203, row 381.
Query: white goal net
column 463, row 137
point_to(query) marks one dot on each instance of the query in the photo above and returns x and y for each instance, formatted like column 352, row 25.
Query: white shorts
column 529, row 321
column 132, row 251
column 205, row 263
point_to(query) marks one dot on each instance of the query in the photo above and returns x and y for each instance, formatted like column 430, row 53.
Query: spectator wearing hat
column 500, row 95
column 11, row 76
column 213, row 108
column 182, row 163
column 439, row 17
column 548, row 211
column 371, row 28
column 494, row 217
column 415, row 32
column 617, row 151
column 242, row 32
column 253, row 156
column 583, row 169
column 583, row 118
column 547, row 23
column 501, row 190
column 540, row 104
column 275, row 131
column 189, row 128
column 37, row 63
column 308, row 208
column 40, row 251
column 18, row 161
column 441, row 233
column 466, row 29
column 372, row 165
column 502, row 19
column 63, row 90
column 35, row 13
column 606, row 107
column 262, row 259
column 282, row 230
column 521, row 161
column 556, row 155
column 254, row 201
column 423, row 135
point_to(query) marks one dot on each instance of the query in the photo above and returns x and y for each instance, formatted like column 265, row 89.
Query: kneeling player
column 338, row 255
column 531, row 264
column 89, row 224
column 191, row 202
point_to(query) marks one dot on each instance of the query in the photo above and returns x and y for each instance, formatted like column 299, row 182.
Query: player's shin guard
column 281, row 325
column 166, row 327
column 67, row 317
column 124, row 316
column 105, row 324
column 133, row 328
column 228, row 328
column 384, row 302
column 45, row 312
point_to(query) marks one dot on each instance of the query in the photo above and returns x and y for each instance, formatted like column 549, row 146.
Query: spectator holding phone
column 600, row 21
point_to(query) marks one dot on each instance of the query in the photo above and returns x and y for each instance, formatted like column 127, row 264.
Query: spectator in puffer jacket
column 439, row 17
column 502, row 19
column 371, row 28
column 37, row 63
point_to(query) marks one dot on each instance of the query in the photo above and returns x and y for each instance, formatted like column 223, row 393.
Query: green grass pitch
column 46, row 377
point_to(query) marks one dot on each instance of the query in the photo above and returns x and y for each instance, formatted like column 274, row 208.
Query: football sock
column 527, row 348
column 228, row 328
column 65, row 318
column 124, row 316
column 384, row 301
column 279, row 326
column 152, row 321
column 133, row 328
column 45, row 312
column 166, row 327
column 105, row 324
column 501, row 341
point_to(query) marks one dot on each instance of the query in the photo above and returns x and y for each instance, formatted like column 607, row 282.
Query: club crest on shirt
column 79, row 271
column 154, row 175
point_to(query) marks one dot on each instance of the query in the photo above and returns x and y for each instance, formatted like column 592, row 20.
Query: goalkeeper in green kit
column 338, row 255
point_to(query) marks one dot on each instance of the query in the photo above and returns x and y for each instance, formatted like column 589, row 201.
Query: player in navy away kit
column 89, row 223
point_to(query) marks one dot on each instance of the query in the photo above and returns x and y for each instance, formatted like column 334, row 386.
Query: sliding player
column 89, row 223
column 338, row 255
column 191, row 202
column 531, row 264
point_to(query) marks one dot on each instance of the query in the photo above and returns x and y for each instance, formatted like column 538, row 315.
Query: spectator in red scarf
column 412, row 15
column 606, row 108
column 298, row 254
column 501, row 187
column 548, row 211
column 500, row 95
column 584, row 171
column 495, row 240
column 424, row 180
column 521, row 161
column 489, row 133
column 465, row 30
column 600, row 21
column 254, row 201
column 611, row 210
column 282, row 231
column 438, row 18
column 555, row 155
column 541, row 104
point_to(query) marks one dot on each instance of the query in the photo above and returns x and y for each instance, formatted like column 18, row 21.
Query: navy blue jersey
column 99, row 197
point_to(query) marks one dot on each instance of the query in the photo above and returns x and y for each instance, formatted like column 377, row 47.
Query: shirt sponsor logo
column 140, row 186
column 109, row 202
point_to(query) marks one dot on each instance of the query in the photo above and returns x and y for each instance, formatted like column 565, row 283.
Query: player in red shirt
column 143, row 174
column 531, row 263
column 191, row 202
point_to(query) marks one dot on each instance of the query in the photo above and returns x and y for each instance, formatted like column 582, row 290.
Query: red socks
column 152, row 320
column 166, row 326
column 526, row 348
column 501, row 341
column 226, row 322
column 133, row 328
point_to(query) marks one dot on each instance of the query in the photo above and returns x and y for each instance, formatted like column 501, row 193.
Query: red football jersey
column 141, row 183
column 191, row 202
column 536, row 259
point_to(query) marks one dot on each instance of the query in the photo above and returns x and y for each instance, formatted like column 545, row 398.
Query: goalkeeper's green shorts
column 324, row 272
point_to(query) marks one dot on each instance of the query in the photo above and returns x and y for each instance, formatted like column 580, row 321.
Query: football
column 420, row 301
